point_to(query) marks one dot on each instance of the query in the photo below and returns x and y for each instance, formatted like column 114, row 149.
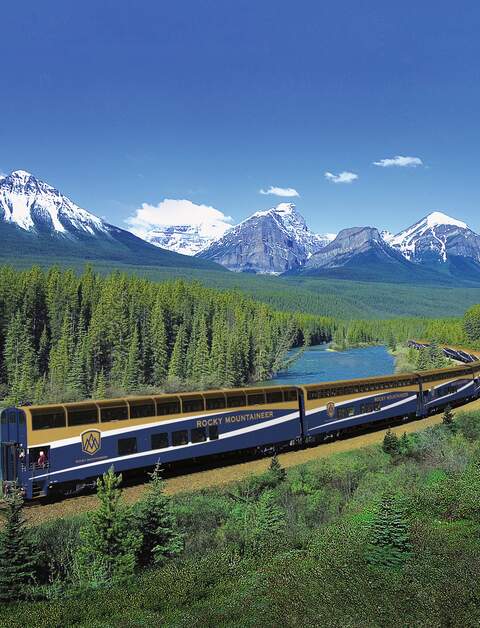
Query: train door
column 12, row 446
column 8, row 456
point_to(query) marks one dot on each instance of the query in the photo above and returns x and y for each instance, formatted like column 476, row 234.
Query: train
column 61, row 449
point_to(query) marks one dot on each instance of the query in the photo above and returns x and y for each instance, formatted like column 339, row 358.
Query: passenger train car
column 51, row 449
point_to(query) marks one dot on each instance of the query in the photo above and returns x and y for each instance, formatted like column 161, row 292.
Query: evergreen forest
column 66, row 336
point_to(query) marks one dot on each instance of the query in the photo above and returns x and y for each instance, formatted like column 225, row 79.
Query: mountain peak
column 281, row 208
column 33, row 205
column 435, row 238
column 270, row 241
column 436, row 218
column 21, row 174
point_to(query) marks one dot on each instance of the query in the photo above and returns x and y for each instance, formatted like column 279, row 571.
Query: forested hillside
column 339, row 298
column 66, row 337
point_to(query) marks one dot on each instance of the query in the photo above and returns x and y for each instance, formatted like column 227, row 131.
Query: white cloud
column 342, row 177
column 212, row 223
column 400, row 161
column 276, row 191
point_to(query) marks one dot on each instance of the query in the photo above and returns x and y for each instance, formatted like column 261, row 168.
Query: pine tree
column 391, row 443
column 176, row 368
column 19, row 359
column 100, row 386
column 132, row 374
column 404, row 444
column 218, row 353
column 448, row 418
column 61, row 359
column 108, row 541
column 269, row 521
column 200, row 360
column 423, row 359
column 154, row 519
column 276, row 471
column 158, row 334
column 389, row 543
column 17, row 555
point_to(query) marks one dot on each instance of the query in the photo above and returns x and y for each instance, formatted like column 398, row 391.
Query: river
column 318, row 364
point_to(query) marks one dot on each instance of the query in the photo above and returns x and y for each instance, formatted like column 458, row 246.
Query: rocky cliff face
column 349, row 245
column 273, row 241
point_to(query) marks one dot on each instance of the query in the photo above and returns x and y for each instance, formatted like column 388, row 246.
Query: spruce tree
column 17, row 555
column 389, row 536
column 176, row 368
column 404, row 444
column 268, row 523
column 154, row 519
column 108, row 540
column 200, row 360
column 391, row 443
column 99, row 386
column 448, row 418
column 158, row 335
column 276, row 471
column 132, row 374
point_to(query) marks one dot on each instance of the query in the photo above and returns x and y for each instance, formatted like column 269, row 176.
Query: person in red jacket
column 42, row 460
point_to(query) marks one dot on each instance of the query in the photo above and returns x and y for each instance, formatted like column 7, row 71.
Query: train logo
column 331, row 409
column 91, row 442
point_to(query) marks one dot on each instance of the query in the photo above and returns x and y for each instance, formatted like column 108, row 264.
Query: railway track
column 38, row 512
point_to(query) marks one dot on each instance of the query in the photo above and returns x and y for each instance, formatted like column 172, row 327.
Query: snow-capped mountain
column 437, row 238
column 37, row 220
column 185, row 239
column 272, row 241
column 362, row 253
column 34, row 205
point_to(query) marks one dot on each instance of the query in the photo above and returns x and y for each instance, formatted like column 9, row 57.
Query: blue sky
column 121, row 103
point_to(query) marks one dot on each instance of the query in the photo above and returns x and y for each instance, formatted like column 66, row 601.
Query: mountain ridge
column 39, row 221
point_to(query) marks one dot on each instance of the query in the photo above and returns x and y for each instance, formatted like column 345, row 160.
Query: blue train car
column 330, row 408
column 63, row 447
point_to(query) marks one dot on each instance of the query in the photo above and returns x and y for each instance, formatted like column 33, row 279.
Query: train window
column 159, row 440
column 373, row 406
column 213, row 432
column 215, row 403
column 138, row 411
column 256, row 399
column 275, row 396
column 313, row 394
column 180, row 438
column 290, row 395
column 127, row 446
column 82, row 416
column 168, row 407
column 236, row 401
column 116, row 413
column 199, row 435
column 343, row 413
column 193, row 405
column 47, row 420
